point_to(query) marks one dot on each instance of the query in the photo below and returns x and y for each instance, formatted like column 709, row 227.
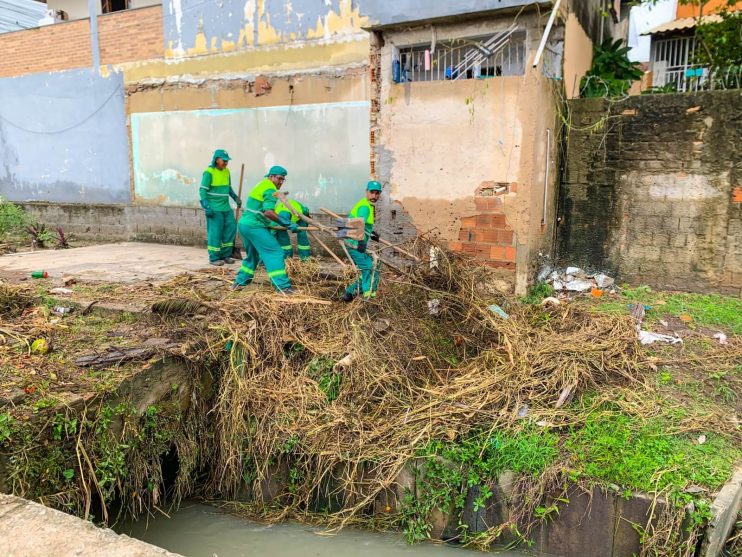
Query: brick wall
column 651, row 190
column 487, row 235
column 123, row 36
column 131, row 35
column 54, row 47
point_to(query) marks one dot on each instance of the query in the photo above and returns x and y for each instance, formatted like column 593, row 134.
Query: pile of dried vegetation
column 347, row 395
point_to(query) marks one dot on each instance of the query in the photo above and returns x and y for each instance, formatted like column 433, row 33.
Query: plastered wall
column 466, row 159
column 63, row 138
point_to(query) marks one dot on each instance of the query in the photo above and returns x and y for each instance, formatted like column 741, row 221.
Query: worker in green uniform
column 216, row 189
column 369, row 280
column 255, row 228
column 302, row 238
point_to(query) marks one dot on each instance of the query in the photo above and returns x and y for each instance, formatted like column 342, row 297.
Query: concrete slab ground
column 28, row 529
column 125, row 262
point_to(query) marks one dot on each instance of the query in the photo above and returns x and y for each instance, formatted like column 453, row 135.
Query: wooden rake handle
column 381, row 240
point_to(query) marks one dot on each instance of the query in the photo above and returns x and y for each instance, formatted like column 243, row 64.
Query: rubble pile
column 574, row 279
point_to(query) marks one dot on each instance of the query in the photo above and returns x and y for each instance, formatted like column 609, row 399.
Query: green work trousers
column 261, row 245
column 368, row 283
column 220, row 231
column 302, row 244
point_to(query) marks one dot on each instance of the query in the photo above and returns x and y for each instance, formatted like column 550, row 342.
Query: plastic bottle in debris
column 39, row 274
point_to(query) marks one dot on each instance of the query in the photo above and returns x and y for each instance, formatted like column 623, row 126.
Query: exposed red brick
column 123, row 36
column 468, row 222
column 504, row 237
column 497, row 253
column 737, row 195
column 507, row 265
column 510, row 253
column 454, row 246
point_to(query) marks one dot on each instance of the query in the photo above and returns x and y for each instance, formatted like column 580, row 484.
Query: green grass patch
column 640, row 454
column 707, row 310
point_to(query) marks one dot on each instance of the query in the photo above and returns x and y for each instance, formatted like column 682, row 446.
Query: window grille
column 672, row 65
column 502, row 54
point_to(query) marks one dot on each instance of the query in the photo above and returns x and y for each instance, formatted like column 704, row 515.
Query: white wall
column 642, row 19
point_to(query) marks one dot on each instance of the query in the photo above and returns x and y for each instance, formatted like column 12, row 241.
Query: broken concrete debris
column 574, row 279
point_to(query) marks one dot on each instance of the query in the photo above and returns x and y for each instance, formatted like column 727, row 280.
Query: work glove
column 207, row 208
column 292, row 227
column 238, row 202
column 235, row 198
column 374, row 236
column 361, row 247
column 286, row 221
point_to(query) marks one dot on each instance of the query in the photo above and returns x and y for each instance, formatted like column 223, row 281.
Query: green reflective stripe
column 217, row 194
column 204, row 188
column 277, row 273
column 228, row 244
column 213, row 248
column 286, row 248
column 303, row 247
column 247, row 270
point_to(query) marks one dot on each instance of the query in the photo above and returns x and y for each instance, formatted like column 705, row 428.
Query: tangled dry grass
column 402, row 375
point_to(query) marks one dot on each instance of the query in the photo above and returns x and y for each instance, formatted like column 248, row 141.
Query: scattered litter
column 648, row 337
column 497, row 310
column 39, row 274
column 435, row 253
column 644, row 306
column 545, row 273
column 545, row 423
column 550, row 301
column 564, row 396
column 579, row 285
column 61, row 310
column 434, row 306
column 664, row 323
column 596, row 292
column 60, row 290
column 523, row 411
column 39, row 346
column 660, row 303
column 696, row 489
column 575, row 279
column 603, row 281
column 343, row 363
column 381, row 324
column 701, row 439
column 722, row 338
column 637, row 312
column 685, row 318
column 69, row 280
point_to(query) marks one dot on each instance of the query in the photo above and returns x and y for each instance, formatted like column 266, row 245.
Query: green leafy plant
column 12, row 219
column 612, row 72
column 6, row 426
column 40, row 234
column 538, row 292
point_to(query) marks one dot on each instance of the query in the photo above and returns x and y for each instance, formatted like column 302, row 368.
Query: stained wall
column 63, row 138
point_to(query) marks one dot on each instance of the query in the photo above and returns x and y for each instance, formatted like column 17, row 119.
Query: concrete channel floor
column 28, row 529
column 125, row 262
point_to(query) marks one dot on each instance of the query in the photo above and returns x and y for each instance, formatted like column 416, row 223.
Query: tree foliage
column 612, row 72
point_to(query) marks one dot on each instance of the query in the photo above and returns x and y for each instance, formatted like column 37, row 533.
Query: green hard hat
column 373, row 185
column 277, row 171
column 221, row 154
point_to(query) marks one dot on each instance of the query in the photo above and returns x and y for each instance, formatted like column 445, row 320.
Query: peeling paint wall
column 467, row 158
column 323, row 146
column 195, row 27
column 63, row 138
column 578, row 56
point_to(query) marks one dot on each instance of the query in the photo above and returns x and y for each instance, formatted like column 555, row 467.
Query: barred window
column 501, row 54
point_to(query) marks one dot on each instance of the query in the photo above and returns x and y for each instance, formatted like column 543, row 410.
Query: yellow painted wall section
column 295, row 58
column 578, row 56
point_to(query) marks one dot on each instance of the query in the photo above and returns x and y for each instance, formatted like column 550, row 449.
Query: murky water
column 203, row 531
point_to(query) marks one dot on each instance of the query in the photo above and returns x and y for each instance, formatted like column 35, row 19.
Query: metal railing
column 502, row 54
column 673, row 69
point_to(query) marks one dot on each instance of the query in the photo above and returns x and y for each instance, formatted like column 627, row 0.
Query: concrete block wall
column 649, row 190
column 124, row 36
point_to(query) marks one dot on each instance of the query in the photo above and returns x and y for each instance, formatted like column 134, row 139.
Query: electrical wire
column 68, row 128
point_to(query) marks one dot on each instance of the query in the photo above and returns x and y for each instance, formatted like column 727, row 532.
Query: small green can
column 39, row 274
